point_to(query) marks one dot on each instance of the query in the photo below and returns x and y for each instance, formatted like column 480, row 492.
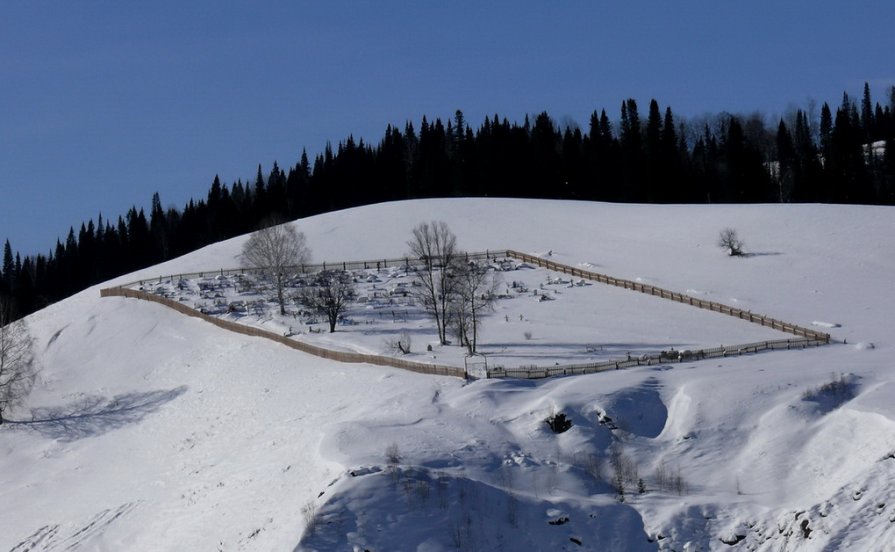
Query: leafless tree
column 400, row 344
column 330, row 295
column 474, row 291
column 730, row 241
column 275, row 249
column 435, row 245
column 17, row 366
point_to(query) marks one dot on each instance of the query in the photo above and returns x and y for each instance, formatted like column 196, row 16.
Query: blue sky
column 104, row 103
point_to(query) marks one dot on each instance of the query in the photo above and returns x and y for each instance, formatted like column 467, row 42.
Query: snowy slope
column 152, row 431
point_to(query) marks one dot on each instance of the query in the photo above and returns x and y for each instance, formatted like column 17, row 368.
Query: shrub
column 401, row 344
column 670, row 480
column 624, row 470
column 730, row 241
column 559, row 423
column 392, row 455
column 309, row 513
column 392, row 459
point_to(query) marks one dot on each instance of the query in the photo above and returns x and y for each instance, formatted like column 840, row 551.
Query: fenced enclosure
column 477, row 367
column 748, row 316
column 340, row 356
column 375, row 264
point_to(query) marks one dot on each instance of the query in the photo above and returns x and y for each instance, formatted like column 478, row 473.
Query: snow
column 149, row 430
column 540, row 318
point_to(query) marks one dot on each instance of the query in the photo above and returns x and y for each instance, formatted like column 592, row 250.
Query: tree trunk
column 280, row 284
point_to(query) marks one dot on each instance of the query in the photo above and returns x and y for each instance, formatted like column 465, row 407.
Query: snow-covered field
column 539, row 317
column 149, row 430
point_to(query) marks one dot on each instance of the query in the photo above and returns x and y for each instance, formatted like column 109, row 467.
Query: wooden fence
column 748, row 316
column 665, row 357
column 805, row 337
column 404, row 262
column 340, row 356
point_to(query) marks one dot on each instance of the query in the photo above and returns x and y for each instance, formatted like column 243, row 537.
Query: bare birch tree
column 435, row 245
column 274, row 249
column 474, row 291
column 330, row 296
column 17, row 366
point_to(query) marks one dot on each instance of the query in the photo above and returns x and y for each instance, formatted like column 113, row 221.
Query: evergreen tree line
column 723, row 158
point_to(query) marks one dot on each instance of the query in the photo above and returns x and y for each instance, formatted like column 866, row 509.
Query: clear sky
column 104, row 103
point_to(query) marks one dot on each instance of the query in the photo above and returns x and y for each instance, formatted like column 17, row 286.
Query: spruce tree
column 158, row 231
column 807, row 167
column 786, row 160
column 9, row 273
column 631, row 143
column 674, row 152
column 867, row 119
column 546, row 148
column 887, row 195
column 654, row 169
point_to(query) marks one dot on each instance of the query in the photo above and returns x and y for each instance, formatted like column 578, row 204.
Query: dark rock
column 559, row 521
column 735, row 540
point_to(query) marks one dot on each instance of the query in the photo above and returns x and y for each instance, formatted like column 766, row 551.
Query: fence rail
column 538, row 372
column 405, row 262
column 805, row 337
column 748, row 316
column 341, row 356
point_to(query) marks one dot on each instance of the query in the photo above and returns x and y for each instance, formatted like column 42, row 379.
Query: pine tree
column 826, row 129
column 297, row 188
column 139, row 239
column 546, row 148
column 276, row 191
column 259, row 197
column 631, row 144
column 868, row 126
column 654, row 169
column 808, row 170
column 158, row 230
column 786, row 160
column 25, row 299
column 674, row 151
column 9, row 273
column 459, row 129
column 846, row 162
column 887, row 195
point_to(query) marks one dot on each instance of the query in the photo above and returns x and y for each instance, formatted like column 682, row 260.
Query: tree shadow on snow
column 94, row 415
column 832, row 394
column 761, row 254
column 595, row 346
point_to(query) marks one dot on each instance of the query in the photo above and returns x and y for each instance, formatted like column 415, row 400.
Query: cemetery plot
column 539, row 317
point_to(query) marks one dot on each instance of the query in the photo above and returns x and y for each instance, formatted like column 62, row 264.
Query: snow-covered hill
column 149, row 430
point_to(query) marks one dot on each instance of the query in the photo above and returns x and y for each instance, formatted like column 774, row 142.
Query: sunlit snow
column 149, row 430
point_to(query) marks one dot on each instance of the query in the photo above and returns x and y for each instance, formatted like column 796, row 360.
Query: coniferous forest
column 843, row 154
